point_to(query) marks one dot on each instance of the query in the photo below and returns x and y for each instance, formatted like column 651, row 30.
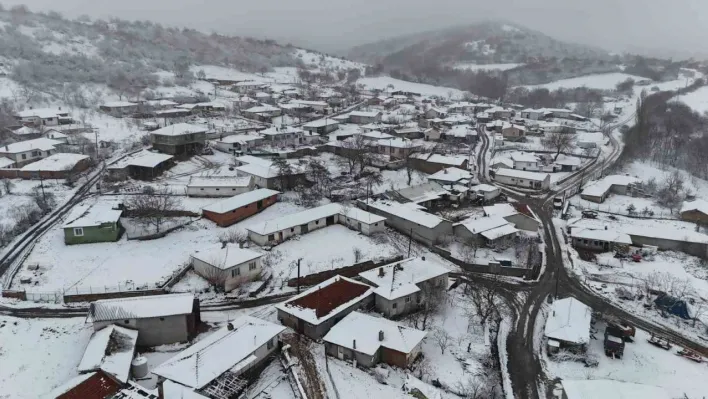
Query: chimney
column 422, row 257
column 354, row 344
column 230, row 326
column 381, row 272
column 381, row 335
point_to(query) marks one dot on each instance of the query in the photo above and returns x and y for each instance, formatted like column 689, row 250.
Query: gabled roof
column 179, row 129
column 321, row 123
column 522, row 174
column 613, row 236
column 43, row 113
column 231, row 181
column 490, row 227
column 118, row 104
column 96, row 215
column 141, row 307
column 237, row 201
column 326, row 300
column 228, row 349
column 56, row 162
column 97, row 385
column 602, row 186
column 569, row 321
column 500, row 210
column 309, row 215
column 226, row 258
column 408, row 211
column 695, row 205
column 365, row 114
column 399, row 279
column 110, row 349
column 144, row 159
column 42, row 144
column 484, row 188
column 450, row 175
column 365, row 330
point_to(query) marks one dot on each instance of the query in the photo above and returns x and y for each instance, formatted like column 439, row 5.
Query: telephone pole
column 298, row 275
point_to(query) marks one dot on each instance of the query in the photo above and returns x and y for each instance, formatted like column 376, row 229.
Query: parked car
column 557, row 203
column 589, row 214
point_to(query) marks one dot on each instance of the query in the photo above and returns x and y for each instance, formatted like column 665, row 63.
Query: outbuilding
column 227, row 267
column 487, row 230
column 321, row 126
column 57, row 166
column 411, row 220
column 142, row 165
column 231, row 210
column 522, row 178
column 518, row 214
column 487, row 192
column 569, row 323
column 219, row 186
column 598, row 191
column 364, row 117
column 98, row 223
column 695, row 211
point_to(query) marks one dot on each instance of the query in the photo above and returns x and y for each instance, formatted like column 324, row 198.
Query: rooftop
column 230, row 181
column 523, row 157
column 227, row 257
column 485, row 223
column 42, row 144
column 610, row 389
column 56, row 163
column 41, row 113
column 500, row 210
column 5, row 162
column 408, row 211
column 91, row 385
column 361, row 332
column 94, row 215
column 326, row 299
column 452, row 160
column 240, row 138
column 602, row 235
column 498, row 232
column 423, row 192
column 118, row 104
column 695, row 205
column 179, row 129
column 144, row 159
column 321, row 123
column 484, row 188
column 320, row 212
column 140, row 307
column 522, row 174
column 450, row 175
column 275, row 131
column 237, row 201
column 569, row 321
column 602, row 186
column 110, row 349
column 399, row 279
column 229, row 348
column 365, row 114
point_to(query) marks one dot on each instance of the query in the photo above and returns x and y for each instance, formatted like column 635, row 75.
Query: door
column 280, row 236
column 330, row 220
column 259, row 204
column 340, row 353
column 304, row 229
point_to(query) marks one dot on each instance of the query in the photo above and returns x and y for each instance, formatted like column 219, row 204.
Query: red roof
column 98, row 386
column 522, row 209
column 328, row 298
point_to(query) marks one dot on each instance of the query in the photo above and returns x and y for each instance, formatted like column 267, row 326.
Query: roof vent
column 230, row 327
column 354, row 344
column 381, row 335
column 382, row 272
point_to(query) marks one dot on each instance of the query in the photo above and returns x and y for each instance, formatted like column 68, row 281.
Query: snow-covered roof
column 160, row 103
column 365, row 114
column 401, row 278
column 174, row 390
column 56, row 163
column 226, row 257
column 423, row 192
column 461, row 131
column 408, row 211
column 26, row 130
column 602, row 235
column 360, row 332
column 96, row 215
column 118, row 104
column 179, row 129
column 484, row 223
column 42, row 144
column 230, row 181
column 240, row 138
column 452, row 160
column 500, row 210
column 53, row 134
column 141, row 307
column 524, row 157
column 321, row 123
column 488, row 188
column 311, row 103
column 566, row 160
column 377, row 135
column 590, row 137
column 96, row 383
column 110, row 349
column 602, row 186
column 265, row 169
column 5, row 162
column 309, row 215
column 695, row 205
column 610, row 389
column 237, row 201
column 498, row 232
column 229, row 348
column 398, row 143
column 503, row 161
column 144, row 158
column 275, row 131
column 451, row 175
column 326, row 300
column 569, row 321
column 522, row 174
column 43, row 113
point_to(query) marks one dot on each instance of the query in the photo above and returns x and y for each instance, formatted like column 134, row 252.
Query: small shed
column 143, row 165
column 231, row 210
column 227, row 267
column 98, row 223
column 219, row 186
column 110, row 349
column 569, row 323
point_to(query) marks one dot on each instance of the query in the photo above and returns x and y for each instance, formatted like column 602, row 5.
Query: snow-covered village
column 235, row 218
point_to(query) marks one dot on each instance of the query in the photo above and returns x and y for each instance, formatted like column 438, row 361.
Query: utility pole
column 41, row 184
column 95, row 132
column 298, row 275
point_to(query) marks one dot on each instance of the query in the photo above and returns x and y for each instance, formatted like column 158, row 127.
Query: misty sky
column 330, row 25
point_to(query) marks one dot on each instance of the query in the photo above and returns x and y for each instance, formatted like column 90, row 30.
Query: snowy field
column 326, row 61
column 603, row 81
column 37, row 355
column 486, row 67
column 697, row 100
column 648, row 170
column 383, row 82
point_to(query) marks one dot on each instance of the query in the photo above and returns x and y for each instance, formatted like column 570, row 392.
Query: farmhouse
column 695, row 211
column 267, row 175
column 402, row 287
column 518, row 214
column 364, row 117
column 179, row 139
column 224, row 360
column 227, row 267
column 218, row 186
column 111, row 350
column 487, row 230
column 598, row 240
column 452, row 176
column 25, row 152
column 58, row 166
column 43, row 117
column 231, row 210
column 599, row 190
column 513, row 132
column 524, row 161
column 143, row 165
column 521, row 178
column 119, row 108
column 99, row 223
column 315, row 311
column 238, row 143
column 282, row 136
column 568, row 323
column 369, row 340
column 321, row 126
column 486, row 191
column 280, row 229
column 410, row 219
column 432, row 163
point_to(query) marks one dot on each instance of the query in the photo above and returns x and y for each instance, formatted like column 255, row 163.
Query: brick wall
column 347, row 271
column 229, row 218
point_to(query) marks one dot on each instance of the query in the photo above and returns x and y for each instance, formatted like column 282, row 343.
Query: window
column 126, row 321
column 217, row 189
column 317, row 222
column 162, row 319
column 201, row 189
column 292, row 230
column 252, row 266
column 236, row 271
column 24, row 156
column 271, row 237
column 395, row 305
column 78, row 231
column 408, row 299
column 36, row 153
column 233, row 189
column 271, row 343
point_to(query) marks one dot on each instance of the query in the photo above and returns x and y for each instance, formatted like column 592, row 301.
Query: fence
column 484, row 269
column 661, row 214
column 346, row 271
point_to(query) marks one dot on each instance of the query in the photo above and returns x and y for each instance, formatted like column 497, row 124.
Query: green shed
column 99, row 223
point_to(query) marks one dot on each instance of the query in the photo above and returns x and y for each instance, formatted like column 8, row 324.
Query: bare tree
column 409, row 159
column 442, row 338
column 215, row 276
column 468, row 251
column 152, row 208
column 356, row 153
column 285, row 173
column 483, row 299
column 318, row 173
column 559, row 142
column 358, row 255
column 669, row 195
column 434, row 297
column 8, row 185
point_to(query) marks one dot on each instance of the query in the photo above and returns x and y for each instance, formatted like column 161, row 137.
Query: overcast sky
column 329, row 25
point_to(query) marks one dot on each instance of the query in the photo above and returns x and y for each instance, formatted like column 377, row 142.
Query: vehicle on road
column 614, row 342
column 558, row 203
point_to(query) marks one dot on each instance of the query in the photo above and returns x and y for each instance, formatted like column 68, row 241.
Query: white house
column 282, row 136
column 569, row 322
column 486, row 191
column 238, row 143
column 486, row 230
column 524, row 161
column 42, row 116
column 228, row 267
column 321, row 126
column 364, row 117
column 522, row 178
column 219, row 186
column 25, row 152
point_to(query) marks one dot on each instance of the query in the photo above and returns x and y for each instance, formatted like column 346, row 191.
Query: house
column 248, row 85
column 238, row 143
column 159, row 319
column 369, row 340
column 227, row 267
column 533, row 114
column 160, row 104
column 364, row 117
column 315, row 311
column 461, row 134
column 318, row 106
column 499, row 112
column 433, row 163
column 408, row 132
column 695, row 211
column 119, row 108
column 246, row 102
column 375, row 135
column 231, row 210
column 282, row 136
column 263, row 112
column 521, row 178
column 267, row 175
column 402, row 287
column 525, row 161
column 96, row 385
column 499, row 163
column 599, row 190
column 111, row 350
column 25, row 152
column 610, row 389
column 488, row 230
column 172, row 113
column 513, row 132
column 179, row 139
column 218, row 186
column 427, row 194
column 434, row 112
column 452, row 176
column 280, row 229
column 397, row 148
column 561, row 113
column 568, row 323
column 56, row 136
column 432, row 134
column 321, row 126
column 598, row 239
column 31, row 132
column 486, row 191
column 590, row 140
column 518, row 214
column 98, row 223
column 57, row 166
column 142, row 165
column 566, row 163
column 411, row 220
column 225, row 360
column 43, row 117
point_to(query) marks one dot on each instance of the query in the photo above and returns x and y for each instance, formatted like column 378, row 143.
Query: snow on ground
column 648, row 170
column 398, row 179
column 697, row 100
column 486, row 67
column 382, row 83
column 38, row 355
column 618, row 204
column 603, row 81
column 642, row 363
column 326, row 61
column 20, row 198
